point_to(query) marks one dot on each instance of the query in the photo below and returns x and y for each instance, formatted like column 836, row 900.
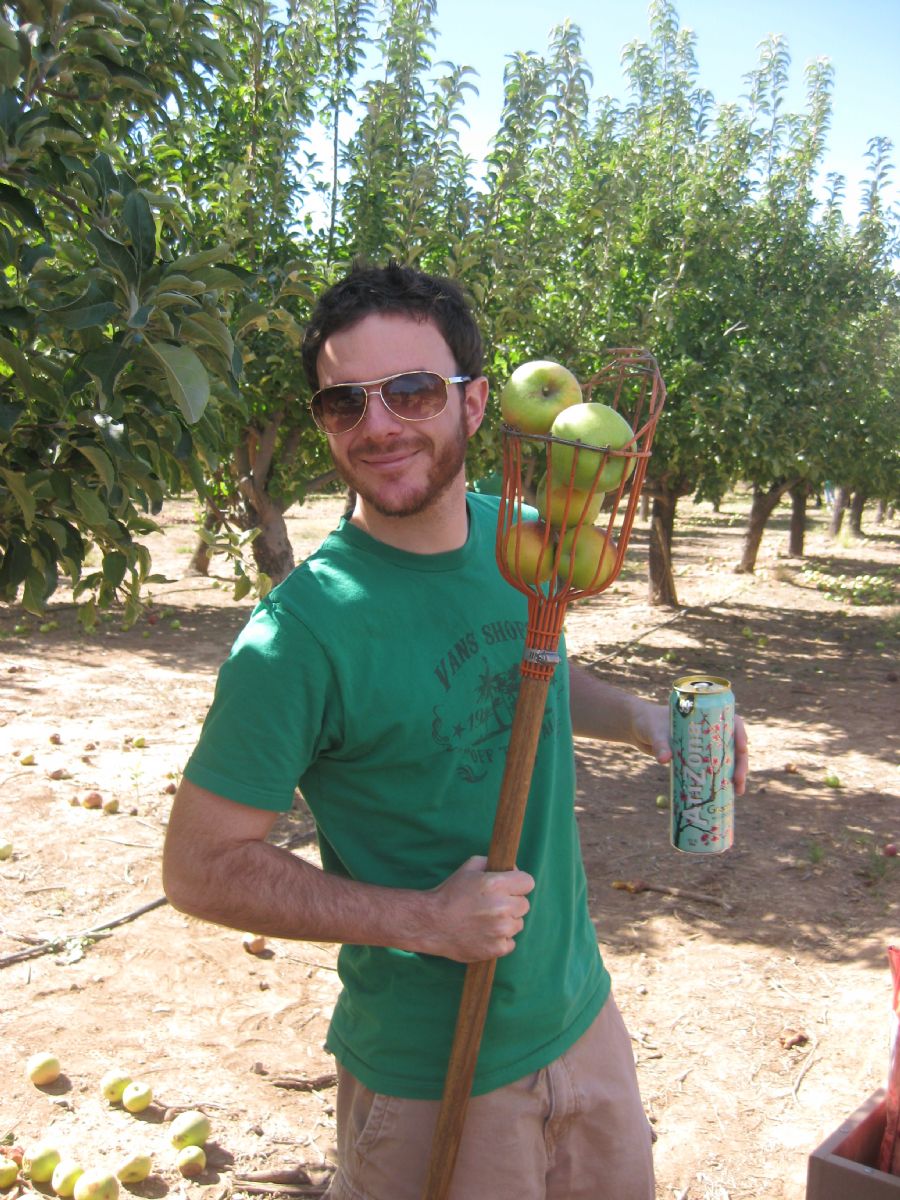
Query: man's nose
column 378, row 417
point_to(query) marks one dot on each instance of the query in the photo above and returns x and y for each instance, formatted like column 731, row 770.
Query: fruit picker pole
column 631, row 375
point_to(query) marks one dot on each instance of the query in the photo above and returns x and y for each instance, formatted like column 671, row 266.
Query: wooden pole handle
column 476, row 993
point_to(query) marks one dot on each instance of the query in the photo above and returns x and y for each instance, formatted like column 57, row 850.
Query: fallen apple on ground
column 253, row 943
column 190, row 1128
column 92, row 800
column 9, row 1172
column 39, row 1163
column 134, row 1169
column 591, row 425
column 536, row 393
column 589, row 553
column 66, row 1174
column 191, row 1161
column 96, row 1184
column 136, row 1097
column 527, row 556
column 6, row 849
column 113, row 1084
column 42, row 1068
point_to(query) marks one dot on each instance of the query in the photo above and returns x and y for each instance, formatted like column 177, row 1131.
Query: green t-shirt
column 383, row 684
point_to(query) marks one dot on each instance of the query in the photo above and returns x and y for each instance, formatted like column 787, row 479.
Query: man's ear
column 476, row 398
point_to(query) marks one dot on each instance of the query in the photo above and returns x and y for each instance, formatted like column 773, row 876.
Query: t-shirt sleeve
column 272, row 712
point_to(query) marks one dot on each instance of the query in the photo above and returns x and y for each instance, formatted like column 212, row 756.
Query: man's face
column 399, row 468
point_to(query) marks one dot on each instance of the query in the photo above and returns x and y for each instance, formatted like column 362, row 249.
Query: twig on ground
column 807, row 1063
column 55, row 944
column 279, row 1189
column 299, row 1084
column 640, row 885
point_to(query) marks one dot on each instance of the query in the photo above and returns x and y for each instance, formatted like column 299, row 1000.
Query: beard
column 444, row 469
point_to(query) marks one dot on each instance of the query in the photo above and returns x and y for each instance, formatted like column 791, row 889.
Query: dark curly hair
column 394, row 289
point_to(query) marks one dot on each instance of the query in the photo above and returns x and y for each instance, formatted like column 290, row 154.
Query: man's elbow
column 180, row 886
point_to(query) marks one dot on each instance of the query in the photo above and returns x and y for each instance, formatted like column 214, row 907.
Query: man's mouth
column 387, row 460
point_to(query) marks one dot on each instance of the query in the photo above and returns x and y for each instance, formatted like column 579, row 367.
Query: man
column 380, row 678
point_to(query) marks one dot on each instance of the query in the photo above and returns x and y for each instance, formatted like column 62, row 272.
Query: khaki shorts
column 575, row 1130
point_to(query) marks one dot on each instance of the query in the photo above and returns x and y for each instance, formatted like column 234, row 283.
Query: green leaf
column 100, row 461
column 203, row 258
column 112, row 13
column 89, row 316
column 13, row 356
column 210, row 330
column 187, row 377
column 9, row 415
column 115, row 564
column 14, row 202
column 15, row 481
column 15, row 565
column 89, row 505
column 114, row 254
column 34, row 592
column 225, row 277
column 102, row 170
column 139, row 219
column 106, row 365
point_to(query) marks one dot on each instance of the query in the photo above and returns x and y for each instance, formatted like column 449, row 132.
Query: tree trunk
column 202, row 556
column 857, row 504
column 799, row 497
column 837, row 513
column 272, row 550
column 662, row 524
column 764, row 504
column 878, row 515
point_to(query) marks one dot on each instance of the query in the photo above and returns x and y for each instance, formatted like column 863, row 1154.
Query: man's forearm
column 263, row 888
column 217, row 865
column 606, row 713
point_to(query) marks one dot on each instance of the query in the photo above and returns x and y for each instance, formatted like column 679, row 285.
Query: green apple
column 66, row 1174
column 190, row 1128
column 96, row 1184
column 39, row 1163
column 529, row 551
column 191, row 1161
column 134, row 1169
column 6, row 849
column 594, row 556
column 136, row 1097
column 113, row 1084
column 594, row 425
column 42, row 1068
column 9, row 1172
column 580, row 507
column 536, row 393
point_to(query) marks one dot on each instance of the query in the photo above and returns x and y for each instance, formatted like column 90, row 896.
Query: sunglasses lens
column 412, row 396
column 415, row 395
column 337, row 409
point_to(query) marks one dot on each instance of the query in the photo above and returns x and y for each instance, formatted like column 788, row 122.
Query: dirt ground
column 755, row 983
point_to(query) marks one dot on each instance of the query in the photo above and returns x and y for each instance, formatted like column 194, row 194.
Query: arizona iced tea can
column 701, row 723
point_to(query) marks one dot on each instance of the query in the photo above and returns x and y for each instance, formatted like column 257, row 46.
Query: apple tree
column 115, row 364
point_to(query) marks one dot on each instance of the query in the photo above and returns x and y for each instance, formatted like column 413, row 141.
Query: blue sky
column 861, row 38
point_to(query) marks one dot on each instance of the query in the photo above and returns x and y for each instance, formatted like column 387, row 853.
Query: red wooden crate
column 842, row 1167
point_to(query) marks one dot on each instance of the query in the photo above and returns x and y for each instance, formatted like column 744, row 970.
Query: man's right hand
column 477, row 913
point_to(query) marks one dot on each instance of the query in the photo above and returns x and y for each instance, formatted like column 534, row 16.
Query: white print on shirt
column 481, row 698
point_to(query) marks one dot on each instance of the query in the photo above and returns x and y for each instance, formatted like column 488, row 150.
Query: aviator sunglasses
column 411, row 396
